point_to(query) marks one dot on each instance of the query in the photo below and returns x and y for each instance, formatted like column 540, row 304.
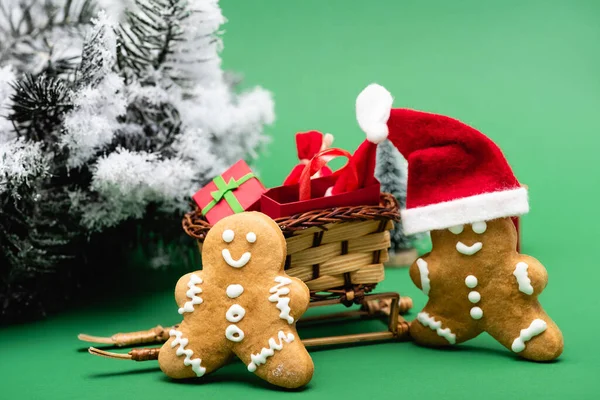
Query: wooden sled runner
column 389, row 306
column 339, row 253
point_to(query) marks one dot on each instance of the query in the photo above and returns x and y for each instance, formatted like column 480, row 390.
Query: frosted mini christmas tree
column 109, row 123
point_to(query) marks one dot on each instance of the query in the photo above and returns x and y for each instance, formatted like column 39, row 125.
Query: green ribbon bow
column 225, row 192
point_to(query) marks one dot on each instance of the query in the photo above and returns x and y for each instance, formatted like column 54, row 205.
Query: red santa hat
column 456, row 174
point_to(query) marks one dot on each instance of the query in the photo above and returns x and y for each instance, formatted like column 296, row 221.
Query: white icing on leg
column 234, row 291
column 234, row 333
column 235, row 313
column 468, row 250
column 431, row 323
column 188, row 361
column 424, row 271
column 243, row 260
column 261, row 358
column 523, row 278
column 537, row 326
column 283, row 303
column 192, row 294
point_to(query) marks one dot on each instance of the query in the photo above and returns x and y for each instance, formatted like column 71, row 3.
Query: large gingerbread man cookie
column 477, row 282
column 241, row 303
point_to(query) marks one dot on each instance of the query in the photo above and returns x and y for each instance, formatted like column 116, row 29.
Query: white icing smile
column 243, row 260
column 468, row 250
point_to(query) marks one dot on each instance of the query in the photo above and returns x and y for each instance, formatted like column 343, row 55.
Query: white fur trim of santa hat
column 373, row 106
column 466, row 210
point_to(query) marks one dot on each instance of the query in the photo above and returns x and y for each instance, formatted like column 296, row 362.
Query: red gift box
column 234, row 191
column 311, row 194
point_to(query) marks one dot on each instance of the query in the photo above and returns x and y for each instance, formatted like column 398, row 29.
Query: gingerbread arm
column 299, row 298
column 530, row 275
column 187, row 291
column 420, row 274
column 290, row 296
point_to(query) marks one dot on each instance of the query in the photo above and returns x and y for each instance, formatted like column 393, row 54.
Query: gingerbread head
column 461, row 188
column 241, row 303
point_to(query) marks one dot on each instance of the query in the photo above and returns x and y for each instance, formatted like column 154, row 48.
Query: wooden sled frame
column 376, row 305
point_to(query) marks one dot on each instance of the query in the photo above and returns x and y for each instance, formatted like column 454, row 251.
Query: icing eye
column 479, row 227
column 251, row 237
column 457, row 230
column 228, row 235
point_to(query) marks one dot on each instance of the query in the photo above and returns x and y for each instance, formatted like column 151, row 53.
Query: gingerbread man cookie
column 461, row 188
column 241, row 303
column 477, row 282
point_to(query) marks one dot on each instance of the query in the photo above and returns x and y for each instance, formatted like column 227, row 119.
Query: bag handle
column 319, row 161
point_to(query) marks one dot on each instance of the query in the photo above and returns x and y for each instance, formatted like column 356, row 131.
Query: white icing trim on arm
column 283, row 303
column 192, row 294
column 261, row 358
column 468, row 250
column 181, row 350
column 537, row 326
column 436, row 326
column 523, row 278
column 243, row 260
column 424, row 271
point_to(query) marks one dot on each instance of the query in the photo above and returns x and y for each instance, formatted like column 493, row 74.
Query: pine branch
column 23, row 40
column 149, row 37
column 38, row 106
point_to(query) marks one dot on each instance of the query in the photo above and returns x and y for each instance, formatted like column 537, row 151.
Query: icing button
column 234, row 291
column 471, row 281
column 474, row 296
column 235, row 313
column 476, row 313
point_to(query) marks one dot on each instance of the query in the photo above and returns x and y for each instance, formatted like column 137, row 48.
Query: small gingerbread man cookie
column 462, row 189
column 241, row 303
column 477, row 282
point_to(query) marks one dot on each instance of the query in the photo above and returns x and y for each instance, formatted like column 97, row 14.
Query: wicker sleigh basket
column 337, row 252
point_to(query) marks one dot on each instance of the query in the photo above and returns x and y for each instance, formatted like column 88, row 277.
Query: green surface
column 526, row 73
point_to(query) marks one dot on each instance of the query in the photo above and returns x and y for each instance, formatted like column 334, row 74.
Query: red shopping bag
column 312, row 194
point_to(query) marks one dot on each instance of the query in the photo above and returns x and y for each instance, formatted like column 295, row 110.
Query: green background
column 526, row 73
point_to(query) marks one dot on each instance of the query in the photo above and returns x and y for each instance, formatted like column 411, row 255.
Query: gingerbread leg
column 283, row 361
column 531, row 335
column 431, row 329
column 181, row 358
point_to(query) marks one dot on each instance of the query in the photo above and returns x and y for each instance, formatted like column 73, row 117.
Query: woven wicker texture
column 336, row 252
